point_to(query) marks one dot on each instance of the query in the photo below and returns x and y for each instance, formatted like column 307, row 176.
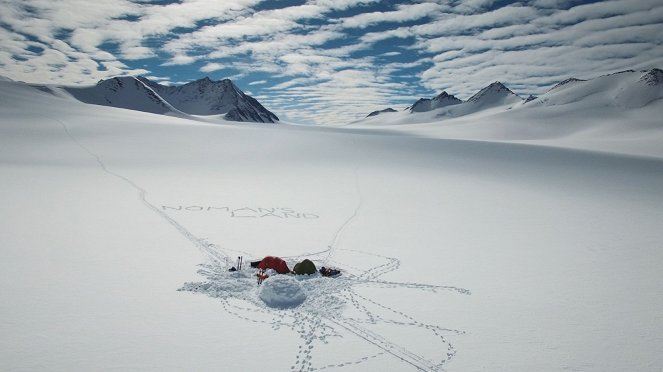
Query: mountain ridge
column 203, row 97
column 628, row 89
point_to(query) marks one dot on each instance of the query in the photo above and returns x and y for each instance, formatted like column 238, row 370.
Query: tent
column 305, row 267
column 275, row 263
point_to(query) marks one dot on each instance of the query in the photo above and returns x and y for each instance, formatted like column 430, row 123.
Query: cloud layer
column 331, row 61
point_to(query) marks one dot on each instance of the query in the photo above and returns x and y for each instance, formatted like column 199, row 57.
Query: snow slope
column 462, row 255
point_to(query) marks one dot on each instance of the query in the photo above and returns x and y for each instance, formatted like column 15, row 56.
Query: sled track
column 211, row 250
column 401, row 353
column 320, row 320
column 333, row 244
column 313, row 324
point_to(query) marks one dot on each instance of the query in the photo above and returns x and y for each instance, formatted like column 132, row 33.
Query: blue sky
column 331, row 61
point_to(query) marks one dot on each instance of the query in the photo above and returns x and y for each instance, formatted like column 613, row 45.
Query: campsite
column 331, row 185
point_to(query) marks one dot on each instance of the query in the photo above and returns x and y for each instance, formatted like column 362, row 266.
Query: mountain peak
column 441, row 100
column 127, row 92
column 200, row 97
column 208, row 97
column 565, row 82
column 494, row 93
column 444, row 94
column 530, row 98
column 376, row 113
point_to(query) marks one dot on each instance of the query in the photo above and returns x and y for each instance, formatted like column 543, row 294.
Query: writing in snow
column 244, row 212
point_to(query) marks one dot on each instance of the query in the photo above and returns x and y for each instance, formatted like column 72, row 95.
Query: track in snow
column 320, row 320
column 211, row 250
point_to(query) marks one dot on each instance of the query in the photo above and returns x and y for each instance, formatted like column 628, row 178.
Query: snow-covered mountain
column 446, row 105
column 376, row 113
column 496, row 94
column 566, row 83
column 120, row 226
column 442, row 100
column 207, row 97
column 124, row 92
column 598, row 96
column 201, row 97
column 626, row 89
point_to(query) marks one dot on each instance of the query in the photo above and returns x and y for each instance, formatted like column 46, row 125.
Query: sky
column 330, row 61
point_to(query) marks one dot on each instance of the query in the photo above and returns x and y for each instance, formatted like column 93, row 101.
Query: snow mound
column 282, row 291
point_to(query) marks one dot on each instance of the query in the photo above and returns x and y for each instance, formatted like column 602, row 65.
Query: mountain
column 376, row 113
column 566, row 83
column 124, row 92
column 207, row 97
column 496, row 94
column 442, row 100
column 201, row 97
column 627, row 101
column 625, row 89
column 445, row 106
column 540, row 226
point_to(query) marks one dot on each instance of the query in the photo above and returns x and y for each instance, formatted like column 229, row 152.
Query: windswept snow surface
column 494, row 247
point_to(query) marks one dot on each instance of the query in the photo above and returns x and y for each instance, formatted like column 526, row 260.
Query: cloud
column 180, row 59
column 585, row 41
column 331, row 60
column 211, row 67
column 102, row 31
column 403, row 13
column 453, row 24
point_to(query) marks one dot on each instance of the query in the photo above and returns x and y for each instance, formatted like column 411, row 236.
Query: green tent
column 305, row 267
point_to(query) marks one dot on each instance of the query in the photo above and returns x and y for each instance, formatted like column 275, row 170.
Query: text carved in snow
column 244, row 212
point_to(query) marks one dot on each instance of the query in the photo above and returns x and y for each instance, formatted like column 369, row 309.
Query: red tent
column 275, row 263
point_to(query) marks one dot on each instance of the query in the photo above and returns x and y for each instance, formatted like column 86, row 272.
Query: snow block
column 281, row 291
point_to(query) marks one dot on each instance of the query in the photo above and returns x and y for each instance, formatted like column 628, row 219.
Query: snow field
column 456, row 254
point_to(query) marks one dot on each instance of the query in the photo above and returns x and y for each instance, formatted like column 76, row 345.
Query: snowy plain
column 515, row 240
